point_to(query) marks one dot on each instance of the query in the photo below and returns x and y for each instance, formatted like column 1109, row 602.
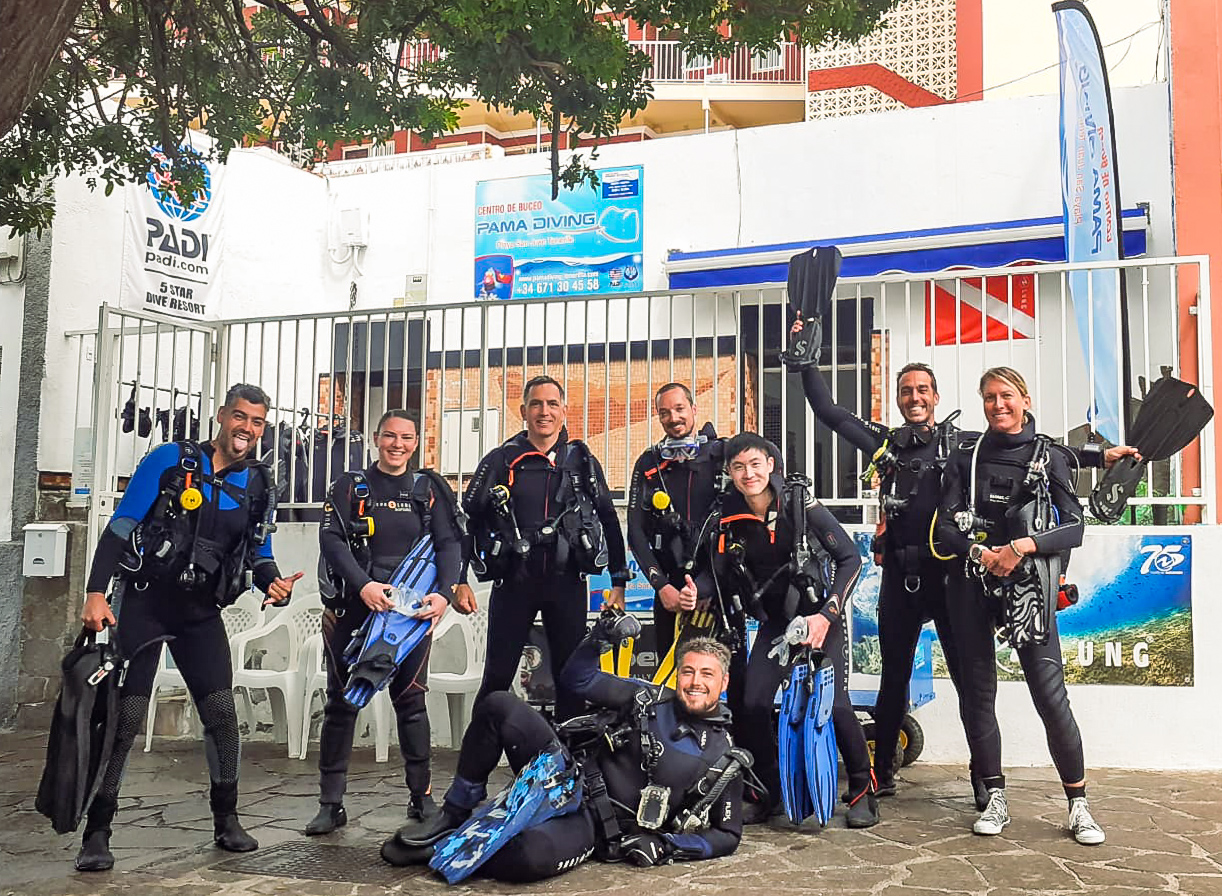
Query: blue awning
column 915, row 252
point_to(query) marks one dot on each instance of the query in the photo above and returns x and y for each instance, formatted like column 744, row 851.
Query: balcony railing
column 671, row 64
column 783, row 64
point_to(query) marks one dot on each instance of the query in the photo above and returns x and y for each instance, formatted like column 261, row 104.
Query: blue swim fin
column 386, row 638
column 795, row 794
column 547, row 786
column 819, row 738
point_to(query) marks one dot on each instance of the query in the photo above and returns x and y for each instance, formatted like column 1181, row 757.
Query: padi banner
column 587, row 241
column 172, row 252
column 1132, row 623
column 1090, row 194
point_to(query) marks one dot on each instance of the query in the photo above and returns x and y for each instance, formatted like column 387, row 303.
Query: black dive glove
column 614, row 626
column 646, row 850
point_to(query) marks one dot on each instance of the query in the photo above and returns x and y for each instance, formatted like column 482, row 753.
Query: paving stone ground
column 1164, row 835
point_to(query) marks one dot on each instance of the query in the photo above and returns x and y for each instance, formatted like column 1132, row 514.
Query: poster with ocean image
column 1132, row 623
column 586, row 241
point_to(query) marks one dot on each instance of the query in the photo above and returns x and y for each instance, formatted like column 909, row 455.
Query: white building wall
column 1020, row 44
column 890, row 172
column 12, row 299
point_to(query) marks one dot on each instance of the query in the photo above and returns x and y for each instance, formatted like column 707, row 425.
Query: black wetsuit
column 149, row 602
column 767, row 550
column 913, row 587
column 664, row 544
column 397, row 516
column 1001, row 467
column 688, row 746
column 541, row 585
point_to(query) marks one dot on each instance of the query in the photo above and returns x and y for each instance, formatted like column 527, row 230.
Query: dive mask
column 687, row 448
column 911, row 435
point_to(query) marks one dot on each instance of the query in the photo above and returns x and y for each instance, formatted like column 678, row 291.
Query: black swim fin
column 82, row 731
column 1172, row 414
column 812, row 284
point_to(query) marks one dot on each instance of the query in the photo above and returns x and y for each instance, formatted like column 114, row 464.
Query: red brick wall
column 618, row 400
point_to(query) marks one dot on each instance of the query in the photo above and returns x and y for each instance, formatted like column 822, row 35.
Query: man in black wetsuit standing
column 674, row 486
column 541, row 519
column 909, row 461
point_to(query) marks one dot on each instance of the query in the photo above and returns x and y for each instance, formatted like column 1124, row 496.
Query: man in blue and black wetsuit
column 195, row 519
column 661, row 779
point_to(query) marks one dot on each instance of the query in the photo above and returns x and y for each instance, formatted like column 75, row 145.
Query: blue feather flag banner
column 1090, row 192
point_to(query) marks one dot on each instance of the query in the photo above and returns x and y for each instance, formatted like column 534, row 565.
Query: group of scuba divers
column 976, row 529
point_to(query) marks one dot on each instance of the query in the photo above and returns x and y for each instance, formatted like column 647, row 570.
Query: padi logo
column 161, row 184
column 1163, row 559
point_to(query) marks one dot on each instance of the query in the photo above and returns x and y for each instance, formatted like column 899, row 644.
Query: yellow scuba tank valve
column 191, row 497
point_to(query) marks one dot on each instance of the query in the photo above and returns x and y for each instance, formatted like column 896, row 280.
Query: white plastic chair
column 241, row 616
column 314, row 674
column 284, row 686
column 460, row 687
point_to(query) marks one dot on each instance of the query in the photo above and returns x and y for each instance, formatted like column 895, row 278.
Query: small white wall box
column 46, row 549
column 352, row 227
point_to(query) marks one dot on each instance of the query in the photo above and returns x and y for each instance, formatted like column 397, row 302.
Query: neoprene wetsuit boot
column 330, row 816
column 95, row 854
column 462, row 797
column 422, row 808
column 227, row 831
column 863, row 809
column 413, row 843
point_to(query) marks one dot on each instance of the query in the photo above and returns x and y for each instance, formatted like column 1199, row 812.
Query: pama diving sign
column 587, row 241
column 172, row 248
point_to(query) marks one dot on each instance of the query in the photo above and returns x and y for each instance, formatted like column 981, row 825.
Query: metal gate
column 460, row 368
column 153, row 381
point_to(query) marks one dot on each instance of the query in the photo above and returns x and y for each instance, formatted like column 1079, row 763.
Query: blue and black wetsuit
column 398, row 511
column 150, row 602
column 686, row 748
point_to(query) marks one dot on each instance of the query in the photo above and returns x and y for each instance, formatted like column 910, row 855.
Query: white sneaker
column 996, row 814
column 1083, row 827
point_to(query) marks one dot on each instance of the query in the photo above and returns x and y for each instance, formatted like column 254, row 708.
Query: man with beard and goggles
column 190, row 534
column 675, row 485
column 650, row 776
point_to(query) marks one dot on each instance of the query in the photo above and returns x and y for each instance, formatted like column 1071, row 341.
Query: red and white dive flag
column 966, row 311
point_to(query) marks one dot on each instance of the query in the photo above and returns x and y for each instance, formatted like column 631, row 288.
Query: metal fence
column 460, row 368
column 783, row 64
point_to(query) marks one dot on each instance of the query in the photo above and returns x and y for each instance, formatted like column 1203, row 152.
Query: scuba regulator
column 500, row 502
